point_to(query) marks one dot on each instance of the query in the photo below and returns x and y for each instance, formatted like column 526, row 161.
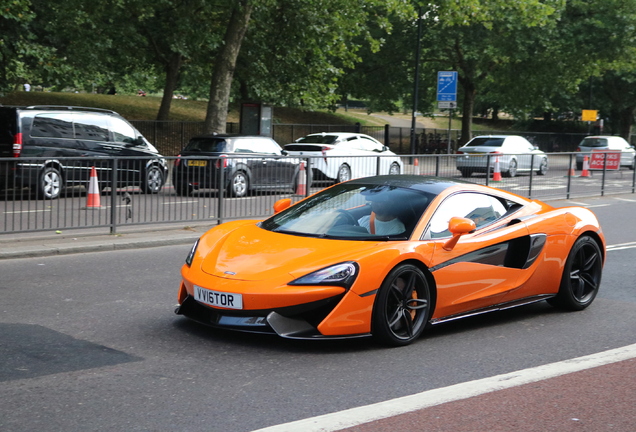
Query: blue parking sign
column 447, row 86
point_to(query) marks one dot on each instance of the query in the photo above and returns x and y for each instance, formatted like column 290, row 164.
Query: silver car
column 591, row 143
column 514, row 154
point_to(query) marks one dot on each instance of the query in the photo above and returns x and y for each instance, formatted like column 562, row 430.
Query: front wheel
column 543, row 167
column 581, row 276
column 394, row 169
column 239, row 184
column 50, row 183
column 402, row 306
column 153, row 180
column 512, row 168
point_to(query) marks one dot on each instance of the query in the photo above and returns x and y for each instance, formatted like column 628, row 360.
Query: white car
column 341, row 156
column 515, row 154
column 628, row 154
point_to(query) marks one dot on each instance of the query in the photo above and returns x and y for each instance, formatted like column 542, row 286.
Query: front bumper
column 297, row 322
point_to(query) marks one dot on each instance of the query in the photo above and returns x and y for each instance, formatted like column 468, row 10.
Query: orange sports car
column 386, row 256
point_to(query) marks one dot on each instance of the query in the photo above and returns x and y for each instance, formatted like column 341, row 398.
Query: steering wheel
column 349, row 219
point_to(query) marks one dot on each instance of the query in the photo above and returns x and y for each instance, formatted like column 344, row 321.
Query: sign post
column 447, row 97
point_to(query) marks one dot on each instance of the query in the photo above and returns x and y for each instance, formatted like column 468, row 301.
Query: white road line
column 27, row 211
column 356, row 416
column 625, row 199
column 621, row 246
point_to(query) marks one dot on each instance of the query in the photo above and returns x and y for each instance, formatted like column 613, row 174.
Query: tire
column 239, row 185
column 466, row 172
column 543, row 167
column 394, row 169
column 153, row 180
column 581, row 276
column 402, row 306
column 512, row 168
column 50, row 183
column 344, row 173
column 182, row 189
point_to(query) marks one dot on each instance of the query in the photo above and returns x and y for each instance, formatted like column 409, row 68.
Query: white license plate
column 218, row 299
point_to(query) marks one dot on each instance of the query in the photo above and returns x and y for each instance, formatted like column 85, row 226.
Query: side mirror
column 282, row 204
column 284, row 152
column 458, row 227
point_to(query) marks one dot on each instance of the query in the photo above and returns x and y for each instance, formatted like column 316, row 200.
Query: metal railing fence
column 123, row 193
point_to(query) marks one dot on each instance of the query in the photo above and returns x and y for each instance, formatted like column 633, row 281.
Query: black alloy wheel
column 581, row 276
column 402, row 306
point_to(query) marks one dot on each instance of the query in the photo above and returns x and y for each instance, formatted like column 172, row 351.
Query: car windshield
column 594, row 142
column 354, row 211
column 206, row 145
column 318, row 139
column 486, row 142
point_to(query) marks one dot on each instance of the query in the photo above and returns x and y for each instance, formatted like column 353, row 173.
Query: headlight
column 343, row 274
column 190, row 256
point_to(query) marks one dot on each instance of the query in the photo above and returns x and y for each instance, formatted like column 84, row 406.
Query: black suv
column 247, row 162
column 53, row 147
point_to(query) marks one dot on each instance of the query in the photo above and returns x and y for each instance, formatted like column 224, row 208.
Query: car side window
column 91, row 127
column 482, row 209
column 52, row 126
column 122, row 131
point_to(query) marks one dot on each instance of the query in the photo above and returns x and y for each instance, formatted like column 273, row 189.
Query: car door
column 254, row 159
column 483, row 266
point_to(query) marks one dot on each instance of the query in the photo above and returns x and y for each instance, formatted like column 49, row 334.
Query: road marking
column 365, row 414
column 27, row 211
column 625, row 199
column 180, row 202
column 621, row 246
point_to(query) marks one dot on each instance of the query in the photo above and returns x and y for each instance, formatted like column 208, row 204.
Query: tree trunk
column 172, row 77
column 468, row 105
column 224, row 65
column 626, row 120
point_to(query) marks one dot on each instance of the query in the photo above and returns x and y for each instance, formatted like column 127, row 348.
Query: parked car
column 248, row 163
column 515, row 153
column 441, row 250
column 68, row 141
column 325, row 145
column 591, row 143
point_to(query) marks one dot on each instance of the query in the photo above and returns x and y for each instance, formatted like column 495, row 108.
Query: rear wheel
column 239, row 184
column 466, row 172
column 183, row 189
column 153, row 180
column 50, row 183
column 402, row 306
column 344, row 173
column 581, row 276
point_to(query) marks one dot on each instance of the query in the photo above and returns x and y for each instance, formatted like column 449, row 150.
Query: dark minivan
column 53, row 147
column 247, row 162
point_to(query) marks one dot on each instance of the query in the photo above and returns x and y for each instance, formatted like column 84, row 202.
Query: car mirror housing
column 282, row 204
column 458, row 227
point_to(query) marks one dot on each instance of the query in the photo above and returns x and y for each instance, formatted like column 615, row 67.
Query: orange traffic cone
column 586, row 168
column 92, row 199
column 301, row 187
column 496, row 175
column 572, row 170
column 416, row 166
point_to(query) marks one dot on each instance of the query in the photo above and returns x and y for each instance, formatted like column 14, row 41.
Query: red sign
column 611, row 159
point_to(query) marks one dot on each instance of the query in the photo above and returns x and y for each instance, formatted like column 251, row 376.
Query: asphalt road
column 90, row 342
